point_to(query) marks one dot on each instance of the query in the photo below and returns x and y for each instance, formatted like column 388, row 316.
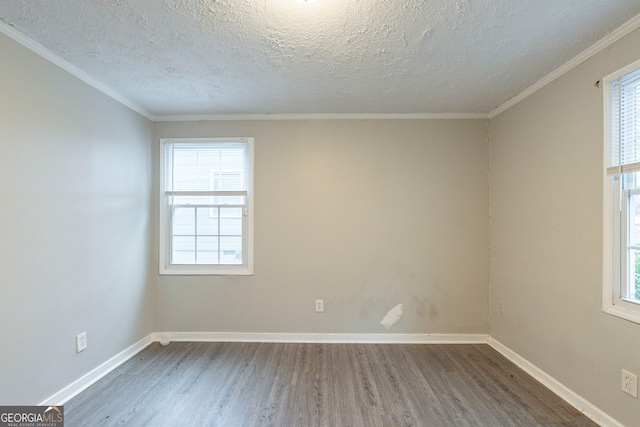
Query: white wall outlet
column 630, row 383
column 501, row 307
column 319, row 306
column 81, row 342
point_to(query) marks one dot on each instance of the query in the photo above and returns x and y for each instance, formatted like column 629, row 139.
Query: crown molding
column 605, row 42
column 37, row 48
column 328, row 116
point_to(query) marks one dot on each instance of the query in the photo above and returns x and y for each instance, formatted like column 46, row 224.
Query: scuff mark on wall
column 392, row 316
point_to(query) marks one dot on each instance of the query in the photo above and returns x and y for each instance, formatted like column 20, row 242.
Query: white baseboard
column 574, row 399
column 81, row 384
column 323, row 338
column 578, row 402
column 75, row 388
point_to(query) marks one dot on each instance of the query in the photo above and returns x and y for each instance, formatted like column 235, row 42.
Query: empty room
column 319, row 213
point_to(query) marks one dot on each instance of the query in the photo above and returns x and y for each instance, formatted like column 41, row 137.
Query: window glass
column 206, row 210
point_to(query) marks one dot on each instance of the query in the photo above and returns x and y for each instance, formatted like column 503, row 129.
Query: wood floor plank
column 462, row 408
column 411, row 391
column 319, row 385
column 507, row 375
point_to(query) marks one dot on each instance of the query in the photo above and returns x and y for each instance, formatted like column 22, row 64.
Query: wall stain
column 424, row 307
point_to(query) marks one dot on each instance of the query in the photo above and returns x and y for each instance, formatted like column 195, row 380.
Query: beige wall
column 74, row 234
column 363, row 214
column 546, row 236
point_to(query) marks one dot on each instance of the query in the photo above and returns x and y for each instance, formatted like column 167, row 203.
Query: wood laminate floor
column 332, row 385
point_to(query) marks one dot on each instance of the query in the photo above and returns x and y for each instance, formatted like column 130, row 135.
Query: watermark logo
column 31, row 416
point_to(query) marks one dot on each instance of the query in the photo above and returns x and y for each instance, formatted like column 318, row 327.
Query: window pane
column 231, row 250
column 231, row 227
column 634, row 220
column 624, row 116
column 183, row 250
column 231, row 221
column 633, row 290
column 207, row 250
column 203, row 166
column 207, row 221
column 184, row 222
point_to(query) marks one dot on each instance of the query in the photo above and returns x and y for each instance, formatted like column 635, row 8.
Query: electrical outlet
column 501, row 307
column 630, row 383
column 81, row 342
column 319, row 306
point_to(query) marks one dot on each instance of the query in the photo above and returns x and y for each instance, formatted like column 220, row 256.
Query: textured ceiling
column 184, row 57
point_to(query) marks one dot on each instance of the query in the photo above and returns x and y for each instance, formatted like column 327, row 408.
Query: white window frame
column 615, row 263
column 165, row 266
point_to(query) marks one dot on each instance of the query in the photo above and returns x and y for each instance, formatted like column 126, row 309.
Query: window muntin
column 206, row 220
column 621, row 290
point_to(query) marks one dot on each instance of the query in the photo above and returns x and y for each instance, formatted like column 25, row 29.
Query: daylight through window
column 206, row 206
column 622, row 194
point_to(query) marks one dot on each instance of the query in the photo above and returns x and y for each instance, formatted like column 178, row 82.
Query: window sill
column 189, row 270
column 630, row 314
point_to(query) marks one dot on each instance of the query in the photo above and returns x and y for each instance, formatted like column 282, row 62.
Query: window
column 206, row 200
column 621, row 295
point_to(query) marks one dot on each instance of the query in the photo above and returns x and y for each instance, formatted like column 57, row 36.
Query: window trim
column 612, row 301
column 164, row 257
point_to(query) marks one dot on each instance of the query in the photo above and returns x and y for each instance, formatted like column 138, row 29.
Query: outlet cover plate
column 630, row 383
column 81, row 342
